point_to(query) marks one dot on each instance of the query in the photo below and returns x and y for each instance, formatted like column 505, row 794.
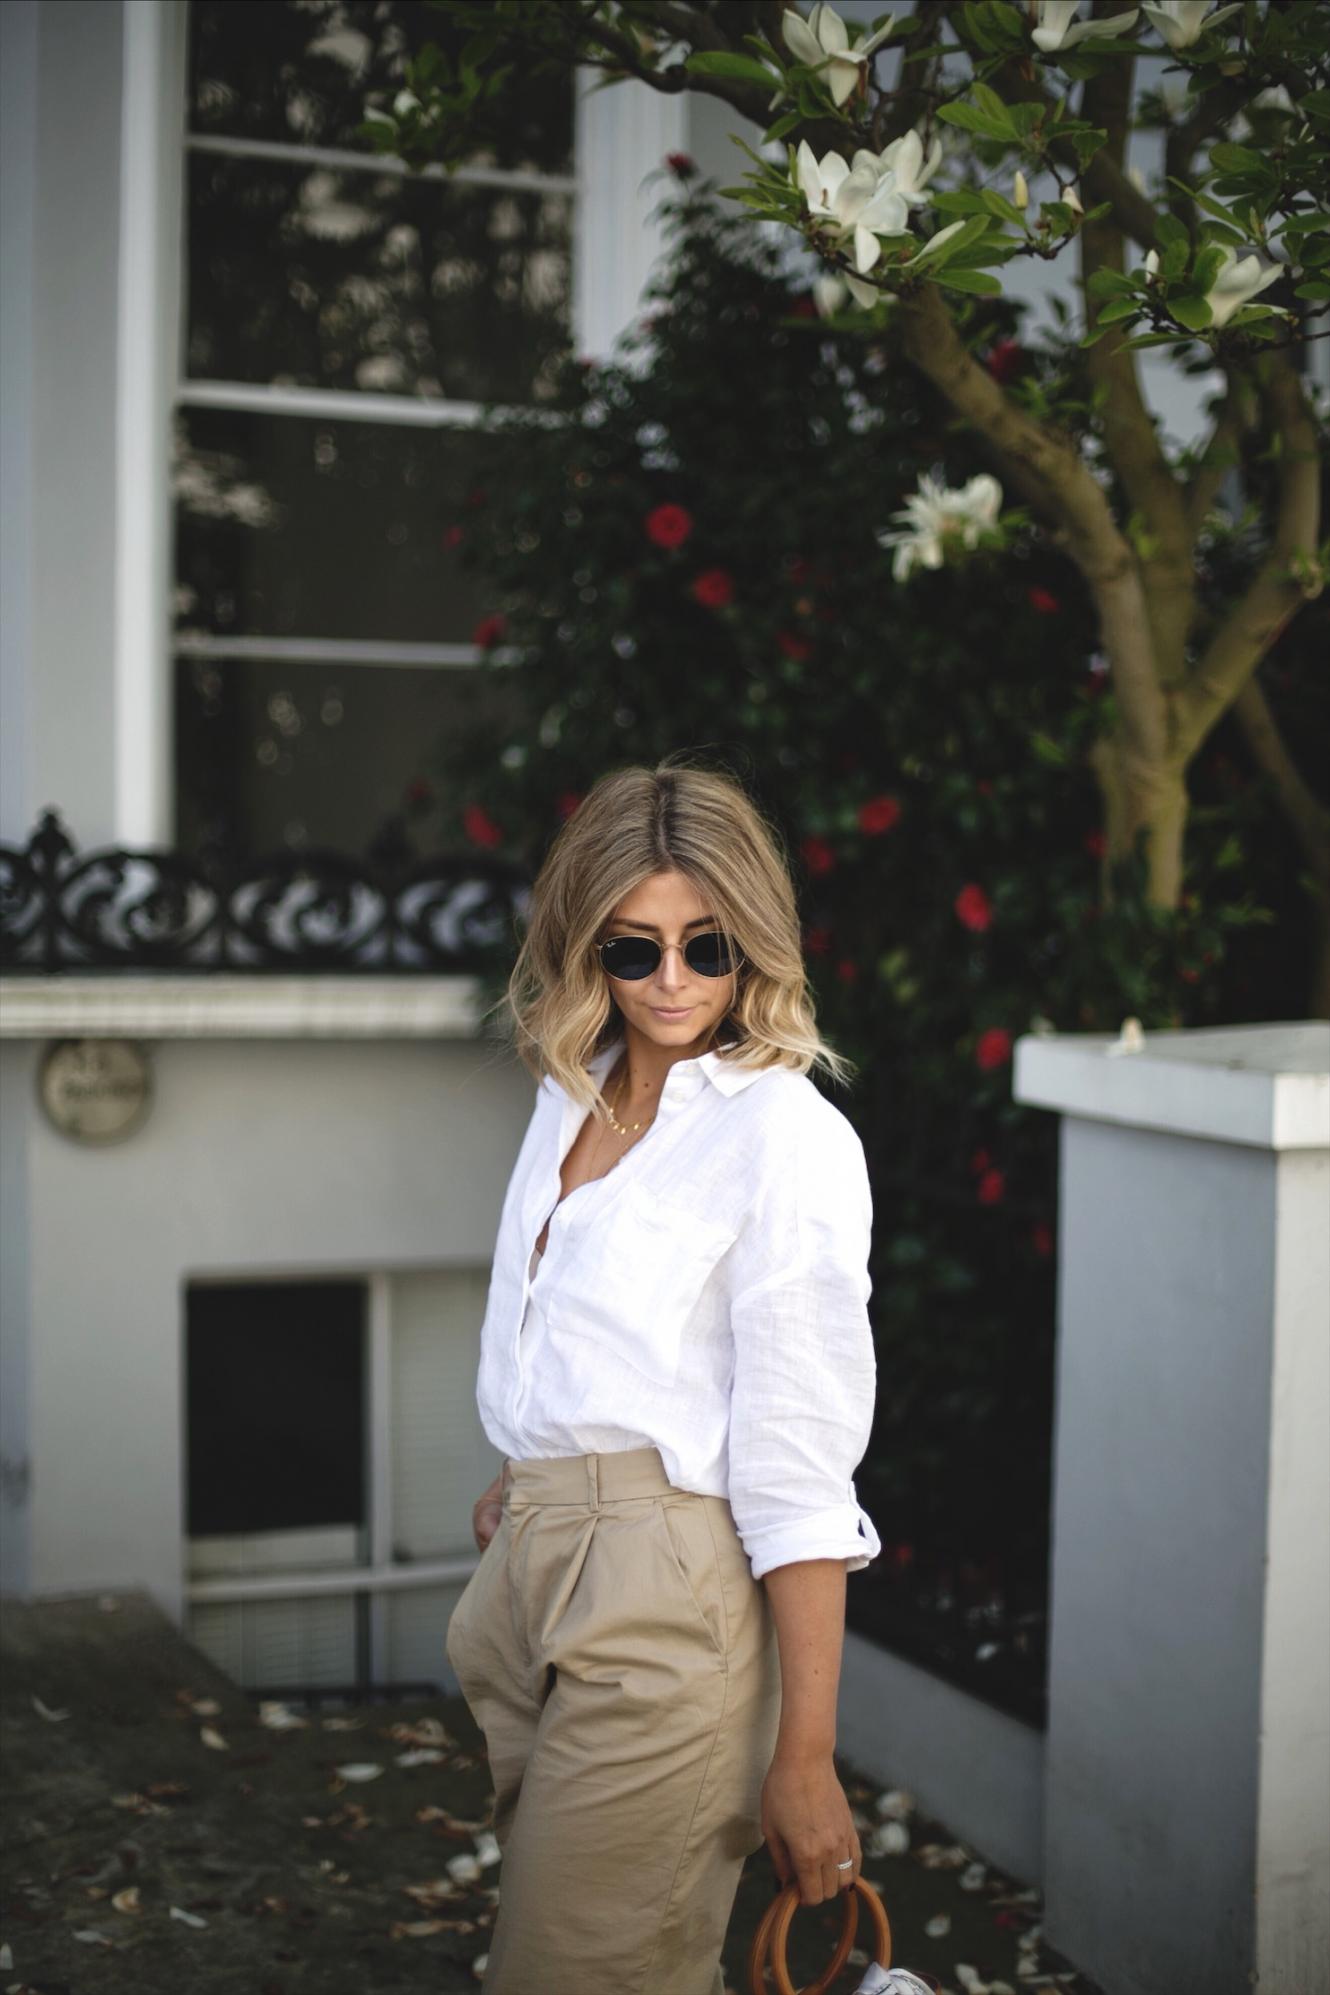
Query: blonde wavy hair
column 632, row 823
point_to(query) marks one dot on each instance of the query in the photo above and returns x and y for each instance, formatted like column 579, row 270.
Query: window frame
column 621, row 136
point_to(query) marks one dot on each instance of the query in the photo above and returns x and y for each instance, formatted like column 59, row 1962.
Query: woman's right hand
column 487, row 1513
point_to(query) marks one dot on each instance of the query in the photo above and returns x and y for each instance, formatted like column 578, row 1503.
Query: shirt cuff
column 843, row 1532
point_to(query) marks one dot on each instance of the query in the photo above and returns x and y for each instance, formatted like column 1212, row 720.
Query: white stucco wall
column 264, row 1159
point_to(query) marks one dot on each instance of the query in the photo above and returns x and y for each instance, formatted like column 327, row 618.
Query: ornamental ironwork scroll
column 297, row 913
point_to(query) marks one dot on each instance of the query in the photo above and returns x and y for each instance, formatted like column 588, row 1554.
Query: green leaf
column 1118, row 308
column 781, row 126
column 1087, row 144
column 1150, row 339
column 1237, row 159
column 971, row 119
column 1316, row 105
column 1191, row 311
column 1026, row 117
column 727, row 62
column 1170, row 230
column 1174, row 260
column 1109, row 283
column 998, row 204
column 1203, row 200
column 992, row 105
column 960, row 202
column 1209, row 262
column 1315, row 287
column 977, row 281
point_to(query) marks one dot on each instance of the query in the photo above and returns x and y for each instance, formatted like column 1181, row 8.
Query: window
column 344, row 322
column 332, row 1459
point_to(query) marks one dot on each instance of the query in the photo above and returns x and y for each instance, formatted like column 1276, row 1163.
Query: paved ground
column 158, row 1836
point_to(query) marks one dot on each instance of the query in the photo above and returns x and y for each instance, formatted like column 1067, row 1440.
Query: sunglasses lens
column 630, row 956
column 710, row 954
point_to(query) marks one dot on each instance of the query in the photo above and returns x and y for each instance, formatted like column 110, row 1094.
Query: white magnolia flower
column 1238, row 282
column 823, row 42
column 1180, row 22
column 1072, row 198
column 1057, row 27
column 858, row 202
column 1152, row 262
column 1020, row 190
column 904, row 158
column 934, row 518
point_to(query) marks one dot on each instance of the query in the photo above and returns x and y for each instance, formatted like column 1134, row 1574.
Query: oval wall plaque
column 95, row 1090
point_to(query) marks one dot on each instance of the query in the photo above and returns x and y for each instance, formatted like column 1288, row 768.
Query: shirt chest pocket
column 635, row 1275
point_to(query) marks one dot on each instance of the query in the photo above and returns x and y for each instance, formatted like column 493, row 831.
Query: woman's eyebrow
column 649, row 928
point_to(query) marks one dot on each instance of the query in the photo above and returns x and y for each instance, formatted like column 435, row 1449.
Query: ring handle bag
column 767, row 1952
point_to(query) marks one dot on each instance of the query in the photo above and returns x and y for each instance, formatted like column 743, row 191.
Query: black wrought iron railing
column 62, row 910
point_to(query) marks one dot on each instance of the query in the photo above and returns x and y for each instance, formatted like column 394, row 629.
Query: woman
column 676, row 1363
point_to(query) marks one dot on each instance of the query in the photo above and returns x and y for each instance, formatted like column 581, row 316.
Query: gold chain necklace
column 619, row 1127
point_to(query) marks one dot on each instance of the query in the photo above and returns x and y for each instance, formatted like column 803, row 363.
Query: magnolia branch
column 1099, row 549
column 1275, row 593
column 1130, row 437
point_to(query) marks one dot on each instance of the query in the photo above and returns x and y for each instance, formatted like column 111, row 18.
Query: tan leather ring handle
column 774, row 1930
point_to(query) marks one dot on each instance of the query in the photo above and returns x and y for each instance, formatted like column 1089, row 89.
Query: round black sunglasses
column 632, row 957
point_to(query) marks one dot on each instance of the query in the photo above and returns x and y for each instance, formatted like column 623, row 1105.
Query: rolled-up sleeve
column 804, row 1367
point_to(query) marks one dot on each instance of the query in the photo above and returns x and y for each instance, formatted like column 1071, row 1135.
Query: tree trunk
column 1143, row 795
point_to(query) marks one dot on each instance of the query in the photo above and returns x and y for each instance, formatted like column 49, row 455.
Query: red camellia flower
column 991, row 1188
column 1042, row 601
column 488, row 631
column 453, row 536
column 793, row 645
column 980, row 1161
column 480, row 827
column 1096, row 844
column 817, row 855
column 847, row 970
column 566, row 803
column 879, row 814
column 1041, row 1239
column 993, row 1048
column 681, row 165
column 668, row 526
column 1003, row 360
column 714, row 588
column 817, row 941
column 973, row 908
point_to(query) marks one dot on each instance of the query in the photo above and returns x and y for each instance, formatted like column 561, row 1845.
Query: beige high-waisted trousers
column 621, row 1661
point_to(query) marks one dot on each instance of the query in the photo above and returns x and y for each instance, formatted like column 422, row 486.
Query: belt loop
column 592, row 1482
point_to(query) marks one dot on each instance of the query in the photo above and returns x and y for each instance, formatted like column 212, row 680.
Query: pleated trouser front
column 621, row 1661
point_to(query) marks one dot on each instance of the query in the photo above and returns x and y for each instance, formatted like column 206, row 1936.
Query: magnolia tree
column 1003, row 135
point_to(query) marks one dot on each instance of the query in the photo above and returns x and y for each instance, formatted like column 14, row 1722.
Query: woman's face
column 674, row 1006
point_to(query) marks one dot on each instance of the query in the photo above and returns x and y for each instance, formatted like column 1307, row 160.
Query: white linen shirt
column 707, row 1296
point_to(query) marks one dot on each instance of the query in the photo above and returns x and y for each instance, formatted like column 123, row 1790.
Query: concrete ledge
column 1267, row 1086
column 238, row 1007
column 969, row 1765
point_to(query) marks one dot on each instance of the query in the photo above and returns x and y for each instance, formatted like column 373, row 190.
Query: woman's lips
column 671, row 1012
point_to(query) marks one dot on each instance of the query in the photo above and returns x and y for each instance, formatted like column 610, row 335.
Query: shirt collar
column 724, row 1075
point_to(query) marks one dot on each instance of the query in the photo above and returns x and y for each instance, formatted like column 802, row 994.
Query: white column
column 148, row 361
column 1187, row 1787
column 623, row 134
